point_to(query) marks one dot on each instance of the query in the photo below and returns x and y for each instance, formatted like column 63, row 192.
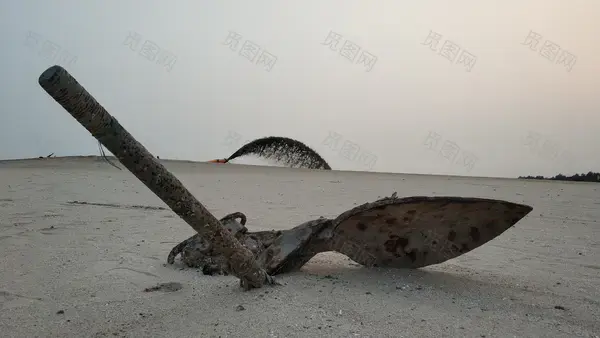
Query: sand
column 71, row 270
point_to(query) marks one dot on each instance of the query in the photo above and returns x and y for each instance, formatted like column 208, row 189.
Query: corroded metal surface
column 294, row 247
column 414, row 232
column 276, row 251
column 65, row 90
column 197, row 252
column 409, row 232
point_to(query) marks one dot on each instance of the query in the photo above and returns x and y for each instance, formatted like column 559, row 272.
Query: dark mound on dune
column 283, row 150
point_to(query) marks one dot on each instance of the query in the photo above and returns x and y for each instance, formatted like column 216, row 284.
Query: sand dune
column 80, row 269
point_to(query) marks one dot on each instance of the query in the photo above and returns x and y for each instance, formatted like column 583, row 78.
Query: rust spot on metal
column 381, row 233
column 413, row 255
column 367, row 218
column 451, row 235
column 474, row 233
column 394, row 242
column 409, row 216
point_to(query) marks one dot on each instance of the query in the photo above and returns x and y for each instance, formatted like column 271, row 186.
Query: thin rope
column 104, row 156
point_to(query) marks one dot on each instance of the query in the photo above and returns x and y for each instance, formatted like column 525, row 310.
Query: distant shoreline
column 98, row 158
column 590, row 177
column 90, row 157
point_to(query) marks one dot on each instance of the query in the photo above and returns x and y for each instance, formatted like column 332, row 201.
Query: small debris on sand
column 165, row 287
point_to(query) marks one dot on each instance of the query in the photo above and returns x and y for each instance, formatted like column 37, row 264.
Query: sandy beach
column 71, row 269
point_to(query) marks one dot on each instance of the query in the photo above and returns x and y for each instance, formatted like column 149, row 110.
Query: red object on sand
column 219, row 161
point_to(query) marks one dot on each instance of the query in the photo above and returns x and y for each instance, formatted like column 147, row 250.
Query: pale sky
column 312, row 89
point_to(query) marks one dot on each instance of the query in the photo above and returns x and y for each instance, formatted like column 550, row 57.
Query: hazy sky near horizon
column 479, row 120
